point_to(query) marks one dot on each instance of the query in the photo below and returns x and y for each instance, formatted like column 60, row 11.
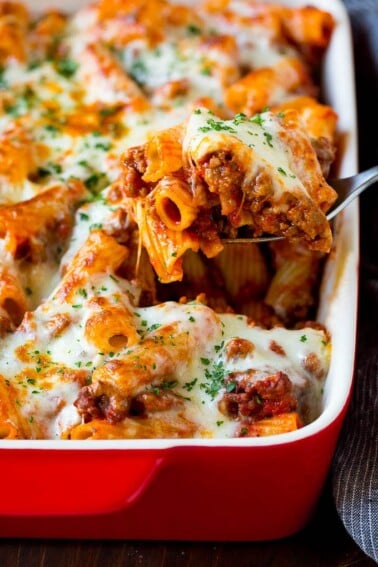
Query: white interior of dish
column 338, row 305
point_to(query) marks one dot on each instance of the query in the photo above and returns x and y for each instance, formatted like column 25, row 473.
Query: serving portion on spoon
column 348, row 189
column 211, row 181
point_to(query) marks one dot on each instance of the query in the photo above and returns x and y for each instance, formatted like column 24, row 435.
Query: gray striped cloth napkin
column 355, row 465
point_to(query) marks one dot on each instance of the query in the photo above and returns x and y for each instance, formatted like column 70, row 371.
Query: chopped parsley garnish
column 51, row 128
column 3, row 83
column 217, row 125
column 303, row 338
column 95, row 226
column 168, row 384
column 269, row 139
column 153, row 328
column 193, row 29
column 108, row 111
column 206, row 71
column 257, row 119
column 283, row 172
column 96, row 182
column 23, row 103
column 163, row 386
column 139, row 71
column 103, row 146
column 230, row 387
column 66, row 67
column 214, row 379
column 190, row 385
column 49, row 169
column 238, row 118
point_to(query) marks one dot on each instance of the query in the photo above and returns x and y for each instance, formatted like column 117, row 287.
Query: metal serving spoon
column 348, row 188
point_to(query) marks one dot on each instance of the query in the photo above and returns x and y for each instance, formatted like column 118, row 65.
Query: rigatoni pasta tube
column 244, row 270
column 100, row 253
column 147, row 428
column 291, row 291
column 319, row 120
column 268, row 85
column 275, row 425
column 309, row 27
column 10, row 425
column 115, row 383
column 14, row 20
column 110, row 327
column 163, row 154
column 174, row 203
column 165, row 247
column 12, row 297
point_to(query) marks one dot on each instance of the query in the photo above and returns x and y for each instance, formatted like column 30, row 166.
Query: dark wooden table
column 324, row 543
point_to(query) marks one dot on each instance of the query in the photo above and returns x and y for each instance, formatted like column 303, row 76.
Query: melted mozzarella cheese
column 259, row 135
column 35, row 360
column 48, row 398
column 36, row 357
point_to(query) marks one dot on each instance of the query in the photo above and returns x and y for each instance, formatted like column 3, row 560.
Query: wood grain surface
column 324, row 543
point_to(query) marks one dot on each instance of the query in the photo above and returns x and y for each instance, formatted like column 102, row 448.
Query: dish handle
column 65, row 482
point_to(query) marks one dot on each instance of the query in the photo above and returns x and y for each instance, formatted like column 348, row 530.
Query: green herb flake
column 3, row 83
column 239, row 118
column 51, row 128
column 192, row 29
column 66, row 67
column 96, row 182
column 103, row 146
column 153, row 327
column 214, row 379
column 257, row 119
column 95, row 226
column 218, row 126
column 168, row 384
column 190, row 385
column 230, row 387
column 269, row 139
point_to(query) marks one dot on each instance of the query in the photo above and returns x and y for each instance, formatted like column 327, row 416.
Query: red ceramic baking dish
column 204, row 489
